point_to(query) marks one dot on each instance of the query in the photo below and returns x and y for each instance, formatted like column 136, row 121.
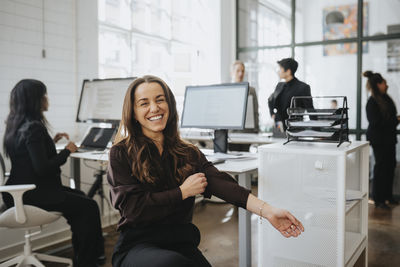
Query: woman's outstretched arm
column 281, row 219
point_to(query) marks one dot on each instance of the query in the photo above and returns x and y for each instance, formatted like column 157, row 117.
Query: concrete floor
column 218, row 224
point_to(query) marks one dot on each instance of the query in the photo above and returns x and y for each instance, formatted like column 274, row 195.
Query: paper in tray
column 312, row 123
column 311, row 133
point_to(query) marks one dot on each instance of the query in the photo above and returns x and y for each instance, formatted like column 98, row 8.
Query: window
column 167, row 38
column 331, row 49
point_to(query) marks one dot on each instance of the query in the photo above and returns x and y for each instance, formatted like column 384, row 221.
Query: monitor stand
column 220, row 141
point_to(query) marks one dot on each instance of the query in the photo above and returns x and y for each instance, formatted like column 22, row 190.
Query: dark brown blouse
column 143, row 204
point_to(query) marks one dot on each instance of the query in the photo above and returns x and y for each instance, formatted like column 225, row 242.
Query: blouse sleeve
column 36, row 146
column 130, row 197
column 222, row 185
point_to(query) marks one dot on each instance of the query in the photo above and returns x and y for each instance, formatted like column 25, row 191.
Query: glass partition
column 329, row 75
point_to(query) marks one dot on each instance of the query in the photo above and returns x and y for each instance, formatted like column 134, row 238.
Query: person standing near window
column 381, row 133
column 237, row 76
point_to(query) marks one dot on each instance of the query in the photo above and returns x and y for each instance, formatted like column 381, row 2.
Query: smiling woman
column 151, row 110
column 155, row 176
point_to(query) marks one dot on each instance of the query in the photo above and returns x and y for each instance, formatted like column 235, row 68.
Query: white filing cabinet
column 326, row 188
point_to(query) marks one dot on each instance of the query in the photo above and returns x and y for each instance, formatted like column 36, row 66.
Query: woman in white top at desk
column 155, row 176
column 34, row 160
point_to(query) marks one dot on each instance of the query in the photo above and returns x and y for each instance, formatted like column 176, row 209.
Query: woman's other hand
column 193, row 185
column 71, row 147
column 283, row 221
column 58, row 136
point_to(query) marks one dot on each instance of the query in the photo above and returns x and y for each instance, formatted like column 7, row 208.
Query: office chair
column 26, row 217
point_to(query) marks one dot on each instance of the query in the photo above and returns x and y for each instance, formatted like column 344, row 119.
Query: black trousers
column 385, row 165
column 160, row 246
column 83, row 215
column 149, row 255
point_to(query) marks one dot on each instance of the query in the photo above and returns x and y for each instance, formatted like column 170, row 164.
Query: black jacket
column 291, row 88
column 34, row 160
column 381, row 130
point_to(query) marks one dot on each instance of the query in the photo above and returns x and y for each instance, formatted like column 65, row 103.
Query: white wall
column 70, row 42
column 71, row 54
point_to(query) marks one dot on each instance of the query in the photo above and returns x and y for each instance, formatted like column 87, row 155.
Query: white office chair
column 26, row 217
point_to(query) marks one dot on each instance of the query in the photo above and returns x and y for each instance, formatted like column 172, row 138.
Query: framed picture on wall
column 340, row 22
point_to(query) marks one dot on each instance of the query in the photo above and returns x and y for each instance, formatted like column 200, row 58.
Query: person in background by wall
column 279, row 101
column 237, row 76
column 381, row 133
column 34, row 160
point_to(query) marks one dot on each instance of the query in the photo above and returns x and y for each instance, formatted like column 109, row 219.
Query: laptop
column 96, row 139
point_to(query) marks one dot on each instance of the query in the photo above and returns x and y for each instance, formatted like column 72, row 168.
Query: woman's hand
column 398, row 118
column 283, row 221
column 193, row 185
column 58, row 136
column 71, row 147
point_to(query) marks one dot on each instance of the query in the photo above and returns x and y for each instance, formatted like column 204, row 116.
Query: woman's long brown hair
column 137, row 144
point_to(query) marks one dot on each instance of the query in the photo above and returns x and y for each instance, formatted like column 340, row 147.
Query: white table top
column 233, row 138
column 249, row 161
column 95, row 155
column 314, row 147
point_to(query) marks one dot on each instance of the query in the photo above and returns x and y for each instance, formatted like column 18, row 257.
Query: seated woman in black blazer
column 34, row 160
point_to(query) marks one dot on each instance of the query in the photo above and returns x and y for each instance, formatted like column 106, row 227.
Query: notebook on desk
column 96, row 139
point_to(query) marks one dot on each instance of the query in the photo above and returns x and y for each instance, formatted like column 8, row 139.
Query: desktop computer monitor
column 101, row 100
column 219, row 107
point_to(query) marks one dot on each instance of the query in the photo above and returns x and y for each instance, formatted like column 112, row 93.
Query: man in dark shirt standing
column 279, row 101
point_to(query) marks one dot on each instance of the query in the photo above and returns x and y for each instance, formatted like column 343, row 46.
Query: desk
column 241, row 167
column 233, row 138
column 244, row 169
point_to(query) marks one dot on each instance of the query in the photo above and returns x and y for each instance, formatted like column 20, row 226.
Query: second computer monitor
column 220, row 106
column 102, row 100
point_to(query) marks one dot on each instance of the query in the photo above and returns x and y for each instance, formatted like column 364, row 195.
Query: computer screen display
column 102, row 100
column 215, row 106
